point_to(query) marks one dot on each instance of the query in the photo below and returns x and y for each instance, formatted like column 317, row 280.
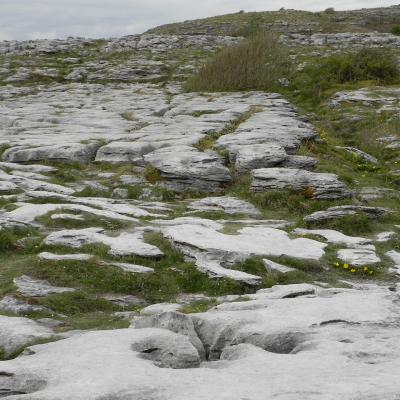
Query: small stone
column 160, row 308
column 359, row 154
column 120, row 193
column 275, row 267
column 358, row 257
column 226, row 204
column 344, row 211
column 64, row 257
column 124, row 301
column 11, row 304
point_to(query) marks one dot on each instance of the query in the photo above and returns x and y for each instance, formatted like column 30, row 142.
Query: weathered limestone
column 395, row 257
column 344, row 211
column 210, row 264
column 359, row 257
column 186, row 168
column 64, row 257
column 263, row 343
column 18, row 332
column 275, row 123
column 385, row 236
column 320, row 332
column 258, row 156
column 335, row 237
column 249, row 241
column 30, row 287
column 124, row 244
column 344, row 40
column 275, row 267
column 62, row 153
column 373, row 193
column 7, row 187
column 174, row 322
column 160, row 308
column 17, row 306
column 132, row 268
column 319, row 185
column 29, row 212
column 124, row 301
column 213, row 251
column 359, row 154
column 226, row 204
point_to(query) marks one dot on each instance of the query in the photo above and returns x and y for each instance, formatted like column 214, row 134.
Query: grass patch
column 199, row 113
column 351, row 225
column 395, row 30
column 20, row 350
column 89, row 191
column 72, row 303
column 3, row 148
column 208, row 141
column 199, row 306
column 94, row 320
column 11, row 240
column 322, row 77
column 152, row 175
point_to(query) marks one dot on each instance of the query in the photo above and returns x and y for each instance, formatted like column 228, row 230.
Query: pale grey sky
column 31, row 19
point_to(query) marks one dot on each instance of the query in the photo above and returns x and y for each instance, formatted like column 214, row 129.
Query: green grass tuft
column 254, row 64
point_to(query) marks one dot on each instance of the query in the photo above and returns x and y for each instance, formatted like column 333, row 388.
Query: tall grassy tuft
column 257, row 63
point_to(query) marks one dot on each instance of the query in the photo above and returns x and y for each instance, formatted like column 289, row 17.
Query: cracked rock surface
column 194, row 246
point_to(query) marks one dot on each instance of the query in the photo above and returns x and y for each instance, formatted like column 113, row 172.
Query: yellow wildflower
column 346, row 266
column 365, row 269
column 353, row 270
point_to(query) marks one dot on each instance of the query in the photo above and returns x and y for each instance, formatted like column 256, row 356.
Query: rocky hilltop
column 159, row 243
column 288, row 21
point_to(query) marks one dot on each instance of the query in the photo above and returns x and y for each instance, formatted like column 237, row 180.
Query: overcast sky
column 32, row 19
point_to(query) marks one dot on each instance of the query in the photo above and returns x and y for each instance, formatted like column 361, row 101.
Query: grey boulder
column 78, row 152
column 319, row 185
column 185, row 168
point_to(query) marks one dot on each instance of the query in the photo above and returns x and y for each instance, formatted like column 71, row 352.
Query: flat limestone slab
column 226, row 204
column 30, row 287
column 64, row 257
column 319, row 185
column 350, row 350
column 16, row 332
column 124, row 244
column 335, row 237
column 359, row 257
column 249, row 241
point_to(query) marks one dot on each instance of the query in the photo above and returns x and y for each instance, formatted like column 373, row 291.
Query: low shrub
column 318, row 78
column 367, row 64
column 257, row 63
column 395, row 30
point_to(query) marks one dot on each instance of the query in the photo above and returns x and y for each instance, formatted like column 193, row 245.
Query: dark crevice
column 338, row 321
column 149, row 351
column 10, row 392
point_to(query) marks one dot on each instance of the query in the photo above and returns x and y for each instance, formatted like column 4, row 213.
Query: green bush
column 366, row 64
column 330, row 10
column 395, row 30
column 7, row 240
column 315, row 81
column 256, row 63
